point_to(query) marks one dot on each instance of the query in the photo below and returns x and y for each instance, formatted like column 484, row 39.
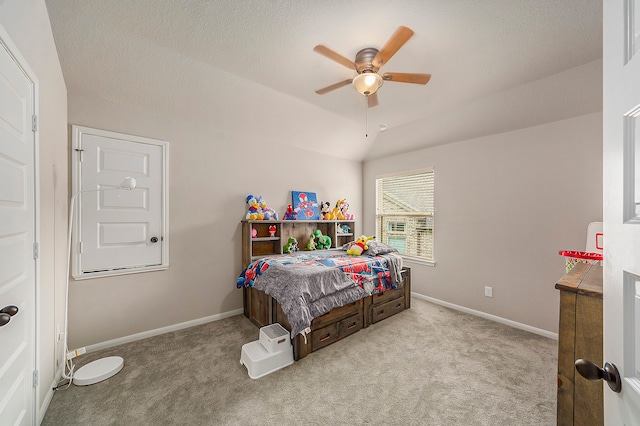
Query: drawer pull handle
column 325, row 337
column 353, row 324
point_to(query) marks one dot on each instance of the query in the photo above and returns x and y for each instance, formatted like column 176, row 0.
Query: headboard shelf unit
column 265, row 245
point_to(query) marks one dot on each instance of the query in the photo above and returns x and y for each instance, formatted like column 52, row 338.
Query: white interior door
column 119, row 230
column 17, row 237
column 622, row 207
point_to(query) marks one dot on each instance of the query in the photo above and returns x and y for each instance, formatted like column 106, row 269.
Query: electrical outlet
column 488, row 291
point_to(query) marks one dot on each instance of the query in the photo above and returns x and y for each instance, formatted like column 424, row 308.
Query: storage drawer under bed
column 388, row 295
column 325, row 336
column 385, row 310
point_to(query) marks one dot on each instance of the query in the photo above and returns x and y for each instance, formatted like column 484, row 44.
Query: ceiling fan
column 367, row 63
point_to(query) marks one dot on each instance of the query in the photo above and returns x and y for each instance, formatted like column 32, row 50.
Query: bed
column 322, row 296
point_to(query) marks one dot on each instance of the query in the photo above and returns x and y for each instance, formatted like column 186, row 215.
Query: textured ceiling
column 247, row 67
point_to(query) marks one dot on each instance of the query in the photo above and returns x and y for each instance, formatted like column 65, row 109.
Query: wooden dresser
column 580, row 401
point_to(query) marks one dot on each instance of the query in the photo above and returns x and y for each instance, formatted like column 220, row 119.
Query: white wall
column 505, row 205
column 211, row 173
column 27, row 23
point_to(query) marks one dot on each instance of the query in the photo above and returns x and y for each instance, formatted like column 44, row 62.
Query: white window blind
column 405, row 212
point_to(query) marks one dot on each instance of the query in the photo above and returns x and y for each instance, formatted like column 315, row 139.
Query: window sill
column 419, row 261
column 114, row 272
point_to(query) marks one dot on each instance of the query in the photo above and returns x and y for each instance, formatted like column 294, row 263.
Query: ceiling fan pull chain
column 366, row 116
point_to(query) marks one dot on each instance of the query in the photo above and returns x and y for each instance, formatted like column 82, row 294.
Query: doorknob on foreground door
column 6, row 313
column 11, row 310
column 591, row 371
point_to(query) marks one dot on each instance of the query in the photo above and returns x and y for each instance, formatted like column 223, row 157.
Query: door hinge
column 36, row 250
column 36, row 378
column 80, row 247
column 34, row 123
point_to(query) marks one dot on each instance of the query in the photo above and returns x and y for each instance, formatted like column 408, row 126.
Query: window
column 404, row 212
column 397, row 226
column 399, row 243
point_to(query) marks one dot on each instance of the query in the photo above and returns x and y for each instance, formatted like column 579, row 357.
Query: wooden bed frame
column 338, row 323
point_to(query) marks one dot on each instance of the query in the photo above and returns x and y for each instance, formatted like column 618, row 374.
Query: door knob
column 154, row 240
column 591, row 371
column 10, row 310
column 6, row 313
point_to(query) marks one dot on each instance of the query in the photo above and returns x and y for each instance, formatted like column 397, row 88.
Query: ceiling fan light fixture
column 367, row 83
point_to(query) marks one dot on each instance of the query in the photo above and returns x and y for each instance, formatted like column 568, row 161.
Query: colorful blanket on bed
column 310, row 284
column 369, row 273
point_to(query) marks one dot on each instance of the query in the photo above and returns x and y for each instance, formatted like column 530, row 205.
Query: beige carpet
column 425, row 366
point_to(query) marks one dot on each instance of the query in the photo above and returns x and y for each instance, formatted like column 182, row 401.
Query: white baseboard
column 162, row 330
column 495, row 318
column 42, row 410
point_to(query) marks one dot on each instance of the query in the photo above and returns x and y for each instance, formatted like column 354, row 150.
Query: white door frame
column 6, row 41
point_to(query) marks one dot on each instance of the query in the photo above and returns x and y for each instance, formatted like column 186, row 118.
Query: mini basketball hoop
column 572, row 257
column 593, row 253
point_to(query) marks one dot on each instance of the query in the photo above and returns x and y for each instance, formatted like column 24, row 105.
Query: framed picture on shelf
column 305, row 203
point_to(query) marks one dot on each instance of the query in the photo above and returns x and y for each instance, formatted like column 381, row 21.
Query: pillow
column 376, row 248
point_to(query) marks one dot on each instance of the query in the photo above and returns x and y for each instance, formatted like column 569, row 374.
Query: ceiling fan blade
column 396, row 41
column 372, row 100
column 325, row 51
column 402, row 77
column 333, row 87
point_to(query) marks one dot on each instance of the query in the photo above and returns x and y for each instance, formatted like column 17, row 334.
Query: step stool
column 271, row 352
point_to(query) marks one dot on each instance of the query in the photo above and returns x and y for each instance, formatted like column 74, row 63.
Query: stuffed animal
column 359, row 246
column 311, row 245
column 323, row 242
column 272, row 231
column 343, row 210
column 267, row 213
column 290, row 214
column 291, row 247
column 325, row 211
column 344, row 229
column 338, row 210
column 253, row 212
column 335, row 212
